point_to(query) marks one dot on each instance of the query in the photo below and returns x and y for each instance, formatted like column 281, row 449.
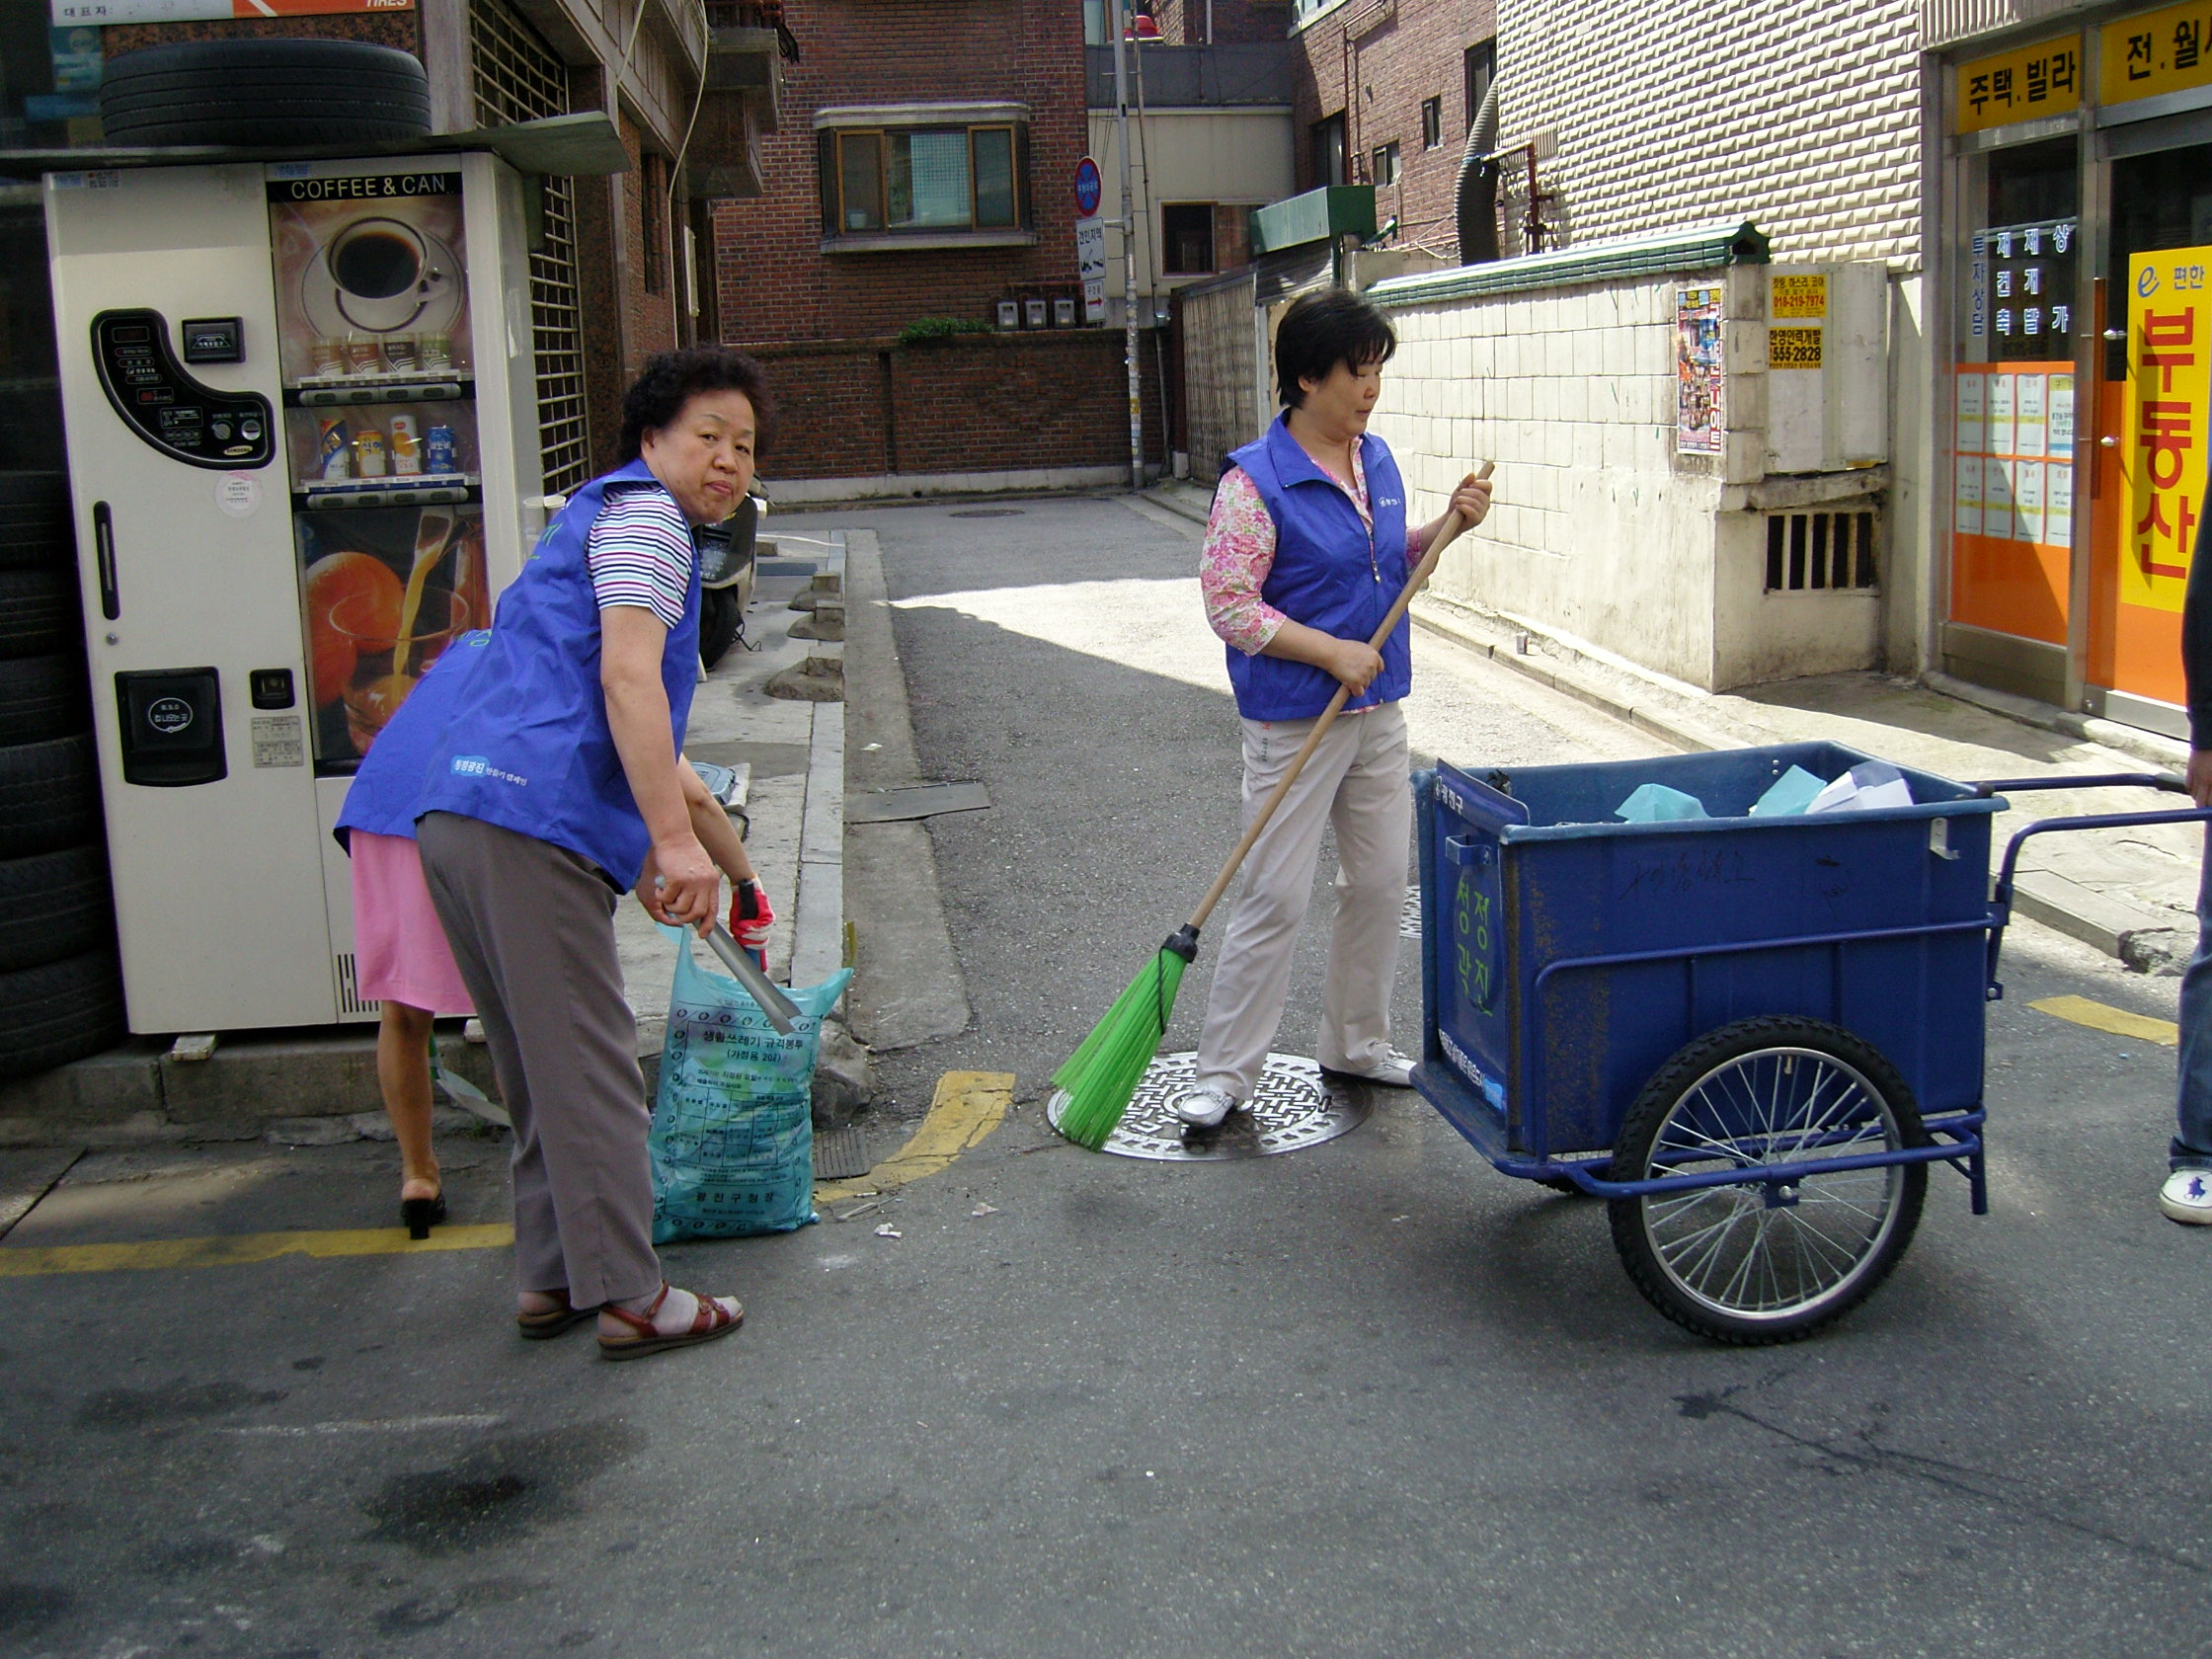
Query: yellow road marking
column 33, row 1260
column 2098, row 1017
column 967, row 1106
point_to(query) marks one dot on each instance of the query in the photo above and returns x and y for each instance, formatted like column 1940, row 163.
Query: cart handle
column 2172, row 782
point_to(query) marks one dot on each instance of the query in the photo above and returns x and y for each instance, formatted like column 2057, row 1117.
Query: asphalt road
column 1369, row 1398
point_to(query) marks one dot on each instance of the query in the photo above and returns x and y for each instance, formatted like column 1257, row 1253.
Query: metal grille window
column 519, row 77
column 1807, row 551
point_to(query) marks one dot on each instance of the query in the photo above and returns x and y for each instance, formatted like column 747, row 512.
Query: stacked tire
column 60, row 982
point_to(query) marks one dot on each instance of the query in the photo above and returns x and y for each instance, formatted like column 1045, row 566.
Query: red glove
column 751, row 917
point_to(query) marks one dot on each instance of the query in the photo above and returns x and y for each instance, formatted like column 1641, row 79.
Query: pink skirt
column 400, row 954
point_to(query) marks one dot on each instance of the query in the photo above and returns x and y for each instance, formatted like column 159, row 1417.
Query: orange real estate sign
column 2167, row 400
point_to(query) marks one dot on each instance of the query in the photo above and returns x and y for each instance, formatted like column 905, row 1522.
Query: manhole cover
column 988, row 513
column 1293, row 1108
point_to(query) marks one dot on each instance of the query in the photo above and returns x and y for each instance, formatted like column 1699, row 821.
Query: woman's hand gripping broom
column 1102, row 1074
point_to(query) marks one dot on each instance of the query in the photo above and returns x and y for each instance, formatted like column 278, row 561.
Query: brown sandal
column 709, row 1322
column 554, row 1320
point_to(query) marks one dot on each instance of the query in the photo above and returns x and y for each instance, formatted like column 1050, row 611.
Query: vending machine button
column 271, row 689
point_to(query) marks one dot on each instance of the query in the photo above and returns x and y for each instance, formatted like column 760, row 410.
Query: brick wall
column 1813, row 131
column 647, row 315
column 861, row 408
column 775, row 283
column 1417, row 51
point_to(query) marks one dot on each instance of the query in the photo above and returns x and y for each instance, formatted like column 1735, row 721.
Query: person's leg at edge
column 403, row 1074
column 2188, row 1193
column 549, row 921
column 1252, row 975
column 540, row 1274
column 1372, row 816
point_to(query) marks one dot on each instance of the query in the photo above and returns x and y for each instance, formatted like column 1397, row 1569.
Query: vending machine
column 301, row 407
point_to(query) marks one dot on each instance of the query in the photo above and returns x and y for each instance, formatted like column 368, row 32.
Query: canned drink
column 400, row 353
column 439, row 451
column 368, row 453
column 326, row 356
column 435, row 351
column 363, row 357
column 407, row 448
column 333, row 450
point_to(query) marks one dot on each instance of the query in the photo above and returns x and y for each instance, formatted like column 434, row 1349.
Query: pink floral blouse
column 1240, row 551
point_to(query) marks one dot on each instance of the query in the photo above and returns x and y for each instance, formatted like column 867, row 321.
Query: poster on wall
column 1701, row 411
column 2169, row 336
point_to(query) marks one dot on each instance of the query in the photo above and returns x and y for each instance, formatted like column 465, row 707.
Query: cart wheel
column 1754, row 1262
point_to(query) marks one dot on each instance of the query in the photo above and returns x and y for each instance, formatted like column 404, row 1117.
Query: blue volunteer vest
column 1329, row 573
column 381, row 798
column 526, row 745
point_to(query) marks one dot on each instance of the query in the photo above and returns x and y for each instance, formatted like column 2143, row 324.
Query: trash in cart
column 1750, row 1031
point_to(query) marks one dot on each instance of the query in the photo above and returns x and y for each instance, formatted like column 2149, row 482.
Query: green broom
column 1102, row 1074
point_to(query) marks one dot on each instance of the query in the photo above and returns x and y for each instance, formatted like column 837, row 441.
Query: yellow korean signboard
column 1801, row 293
column 2169, row 401
column 2167, row 50
column 2044, row 79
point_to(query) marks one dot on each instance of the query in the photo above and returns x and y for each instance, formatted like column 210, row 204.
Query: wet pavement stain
column 171, row 1404
column 500, row 1494
column 26, row 1609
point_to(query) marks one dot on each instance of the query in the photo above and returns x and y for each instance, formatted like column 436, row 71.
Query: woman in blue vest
column 553, row 788
column 1305, row 551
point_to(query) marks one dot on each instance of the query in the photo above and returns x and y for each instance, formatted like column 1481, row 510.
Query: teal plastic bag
column 1655, row 803
column 1789, row 796
column 733, row 1121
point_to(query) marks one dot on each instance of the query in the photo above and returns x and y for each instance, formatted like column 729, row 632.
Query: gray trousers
column 532, row 930
column 1357, row 783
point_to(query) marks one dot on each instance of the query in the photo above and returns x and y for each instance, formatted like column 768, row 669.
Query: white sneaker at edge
column 2186, row 1197
column 1394, row 1071
column 1202, row 1108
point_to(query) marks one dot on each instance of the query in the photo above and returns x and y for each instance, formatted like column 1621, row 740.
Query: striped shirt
column 640, row 553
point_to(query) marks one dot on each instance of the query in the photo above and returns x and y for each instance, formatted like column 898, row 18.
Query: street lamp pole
column 1121, row 12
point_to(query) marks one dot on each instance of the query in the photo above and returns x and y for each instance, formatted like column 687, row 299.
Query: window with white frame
column 923, row 169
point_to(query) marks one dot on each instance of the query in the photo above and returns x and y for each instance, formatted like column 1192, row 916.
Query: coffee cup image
column 382, row 275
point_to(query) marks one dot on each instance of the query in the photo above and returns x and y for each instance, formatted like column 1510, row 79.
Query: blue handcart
column 1751, row 1036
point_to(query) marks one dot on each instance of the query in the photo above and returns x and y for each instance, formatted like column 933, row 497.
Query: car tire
column 264, row 93
column 54, row 905
column 43, row 698
column 39, row 611
column 49, row 796
column 59, row 1012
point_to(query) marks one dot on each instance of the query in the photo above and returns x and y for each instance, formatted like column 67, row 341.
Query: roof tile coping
column 1697, row 247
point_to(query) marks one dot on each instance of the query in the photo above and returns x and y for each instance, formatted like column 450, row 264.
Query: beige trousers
column 532, row 930
column 1358, row 784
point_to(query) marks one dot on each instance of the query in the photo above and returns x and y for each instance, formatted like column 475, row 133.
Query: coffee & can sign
column 1090, row 187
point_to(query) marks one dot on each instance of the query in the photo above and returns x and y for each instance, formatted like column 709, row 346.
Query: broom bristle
column 1103, row 1072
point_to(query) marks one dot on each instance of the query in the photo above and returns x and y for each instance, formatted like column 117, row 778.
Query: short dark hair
column 672, row 380
column 1323, row 329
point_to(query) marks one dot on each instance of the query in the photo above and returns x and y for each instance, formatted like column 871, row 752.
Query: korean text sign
column 2169, row 390
column 2044, row 79
column 2167, row 50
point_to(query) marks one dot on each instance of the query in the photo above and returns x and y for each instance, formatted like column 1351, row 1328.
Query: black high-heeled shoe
column 419, row 1214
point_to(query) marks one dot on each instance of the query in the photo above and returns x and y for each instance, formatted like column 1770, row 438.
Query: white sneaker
column 1204, row 1108
column 1393, row 1070
column 2186, row 1197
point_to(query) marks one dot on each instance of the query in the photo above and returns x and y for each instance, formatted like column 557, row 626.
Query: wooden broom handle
column 1450, row 532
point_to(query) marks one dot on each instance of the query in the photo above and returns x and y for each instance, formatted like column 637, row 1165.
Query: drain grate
column 1293, row 1107
column 841, row 1154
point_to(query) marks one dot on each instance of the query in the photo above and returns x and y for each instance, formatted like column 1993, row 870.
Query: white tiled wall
column 1803, row 114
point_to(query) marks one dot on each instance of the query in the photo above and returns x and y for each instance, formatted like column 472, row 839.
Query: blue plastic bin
column 1566, row 955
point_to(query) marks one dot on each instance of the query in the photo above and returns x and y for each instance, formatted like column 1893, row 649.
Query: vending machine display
column 284, row 535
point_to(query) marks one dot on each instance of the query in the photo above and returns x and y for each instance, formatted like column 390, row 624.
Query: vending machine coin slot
column 172, row 727
column 166, row 407
column 271, row 689
column 214, row 340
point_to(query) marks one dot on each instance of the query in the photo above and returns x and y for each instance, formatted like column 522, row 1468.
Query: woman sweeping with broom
column 1306, row 552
